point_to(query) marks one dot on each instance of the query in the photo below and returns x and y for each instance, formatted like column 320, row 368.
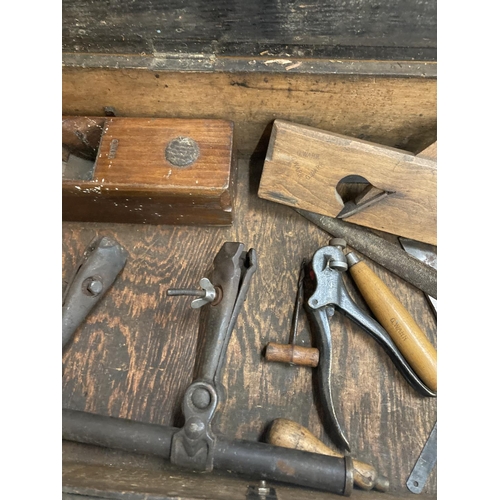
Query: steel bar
column 117, row 433
column 424, row 465
column 282, row 464
column 261, row 460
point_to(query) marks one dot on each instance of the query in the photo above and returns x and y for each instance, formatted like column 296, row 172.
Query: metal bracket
column 261, row 492
column 193, row 445
column 101, row 263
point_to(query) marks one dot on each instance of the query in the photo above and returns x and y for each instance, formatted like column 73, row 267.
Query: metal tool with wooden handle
column 392, row 315
column 290, row 434
column 292, row 353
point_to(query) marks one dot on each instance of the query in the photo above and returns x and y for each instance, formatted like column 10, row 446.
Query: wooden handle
column 289, row 434
column 406, row 334
column 290, row 353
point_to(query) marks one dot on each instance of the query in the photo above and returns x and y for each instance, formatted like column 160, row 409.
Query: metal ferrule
column 352, row 259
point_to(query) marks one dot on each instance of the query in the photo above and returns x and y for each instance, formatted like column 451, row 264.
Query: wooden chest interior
column 134, row 355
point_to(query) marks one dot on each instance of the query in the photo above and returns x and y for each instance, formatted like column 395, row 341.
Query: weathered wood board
column 385, row 109
column 398, row 30
column 135, row 354
column 305, row 166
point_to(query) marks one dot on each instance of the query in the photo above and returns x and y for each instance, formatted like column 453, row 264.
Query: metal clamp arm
column 193, row 445
column 233, row 268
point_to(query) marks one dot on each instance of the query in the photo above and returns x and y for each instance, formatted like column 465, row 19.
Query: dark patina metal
column 194, row 445
column 101, row 263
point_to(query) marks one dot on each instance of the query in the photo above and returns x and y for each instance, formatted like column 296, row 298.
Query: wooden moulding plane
column 309, row 169
column 147, row 170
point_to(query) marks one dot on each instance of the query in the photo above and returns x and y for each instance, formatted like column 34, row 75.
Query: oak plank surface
column 135, row 354
column 389, row 110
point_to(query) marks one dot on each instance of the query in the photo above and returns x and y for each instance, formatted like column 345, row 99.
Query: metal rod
column 117, row 433
column 175, row 292
column 299, row 298
column 261, row 460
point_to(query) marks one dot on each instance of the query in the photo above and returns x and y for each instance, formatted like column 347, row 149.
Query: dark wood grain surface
column 397, row 30
column 135, row 354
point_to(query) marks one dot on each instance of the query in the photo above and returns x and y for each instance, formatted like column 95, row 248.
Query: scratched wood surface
column 400, row 29
column 122, row 476
column 135, row 354
column 390, row 110
column 135, row 181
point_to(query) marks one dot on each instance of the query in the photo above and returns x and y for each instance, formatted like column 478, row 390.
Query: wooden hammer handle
column 289, row 434
column 392, row 315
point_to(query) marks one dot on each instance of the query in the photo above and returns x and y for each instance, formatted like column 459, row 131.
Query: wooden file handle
column 392, row 315
column 289, row 434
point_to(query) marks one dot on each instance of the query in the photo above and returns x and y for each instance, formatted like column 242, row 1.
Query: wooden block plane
column 367, row 184
column 148, row 170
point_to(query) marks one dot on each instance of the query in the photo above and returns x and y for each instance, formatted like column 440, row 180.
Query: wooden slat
column 101, row 480
column 399, row 112
column 400, row 29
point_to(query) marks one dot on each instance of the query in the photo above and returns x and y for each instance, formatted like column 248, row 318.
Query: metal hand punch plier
column 194, row 445
column 329, row 295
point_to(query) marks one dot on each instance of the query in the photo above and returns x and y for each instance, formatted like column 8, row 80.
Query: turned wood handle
column 392, row 315
column 289, row 434
column 294, row 354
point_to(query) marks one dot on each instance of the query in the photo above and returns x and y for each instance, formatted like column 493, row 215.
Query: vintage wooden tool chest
column 367, row 73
